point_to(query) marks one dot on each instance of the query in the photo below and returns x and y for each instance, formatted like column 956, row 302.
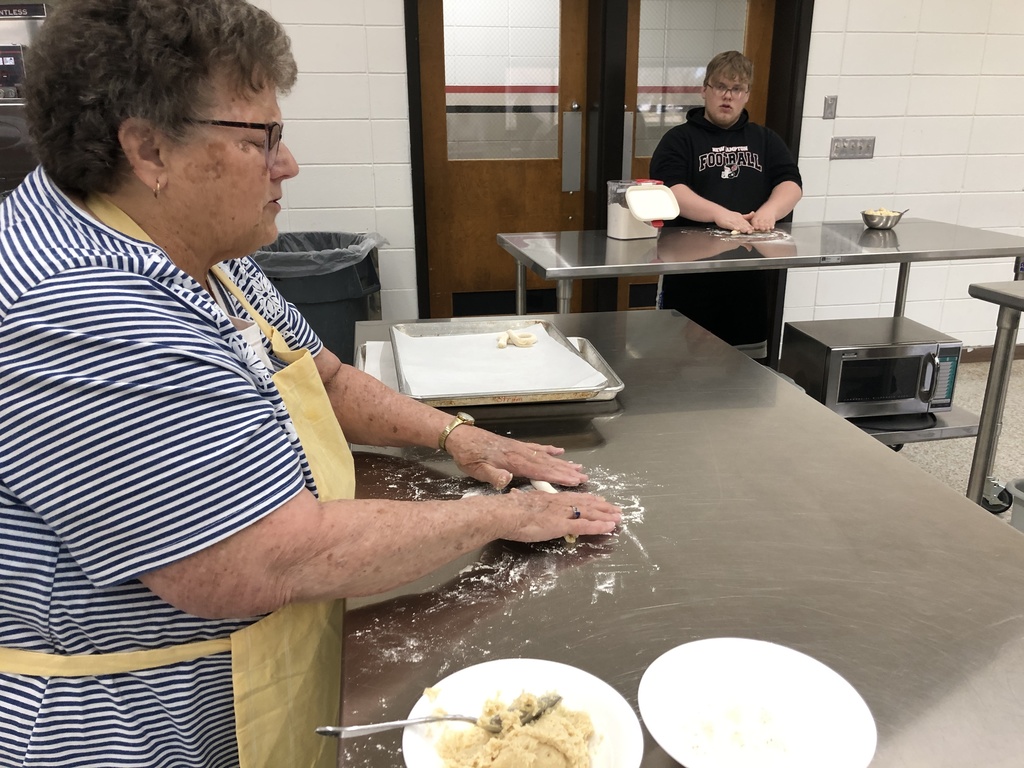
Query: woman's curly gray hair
column 96, row 63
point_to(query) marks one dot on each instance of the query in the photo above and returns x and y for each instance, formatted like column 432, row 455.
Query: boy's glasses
column 736, row 91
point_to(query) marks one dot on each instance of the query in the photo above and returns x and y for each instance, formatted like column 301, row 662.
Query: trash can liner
column 328, row 278
column 303, row 254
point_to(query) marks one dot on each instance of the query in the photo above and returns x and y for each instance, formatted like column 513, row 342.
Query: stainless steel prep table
column 751, row 510
column 568, row 256
column 1009, row 296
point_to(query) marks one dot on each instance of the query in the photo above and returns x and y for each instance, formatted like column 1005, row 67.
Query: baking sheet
column 377, row 359
column 441, row 359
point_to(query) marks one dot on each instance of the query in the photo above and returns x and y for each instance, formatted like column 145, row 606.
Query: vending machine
column 19, row 24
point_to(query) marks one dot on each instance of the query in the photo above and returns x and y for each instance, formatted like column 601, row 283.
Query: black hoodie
column 737, row 167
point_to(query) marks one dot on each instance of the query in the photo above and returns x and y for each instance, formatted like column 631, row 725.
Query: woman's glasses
column 271, row 141
column 736, row 91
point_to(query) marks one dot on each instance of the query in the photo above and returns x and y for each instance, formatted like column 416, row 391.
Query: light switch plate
column 830, row 108
column 852, row 148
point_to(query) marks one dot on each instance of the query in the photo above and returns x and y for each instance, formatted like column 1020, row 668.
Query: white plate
column 618, row 741
column 732, row 702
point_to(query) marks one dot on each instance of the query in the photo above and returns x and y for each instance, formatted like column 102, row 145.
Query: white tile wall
column 930, row 95
column 347, row 123
column 864, row 15
column 937, row 82
column 832, row 17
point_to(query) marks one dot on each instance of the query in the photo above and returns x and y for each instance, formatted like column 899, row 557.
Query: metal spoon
column 347, row 731
column 544, row 703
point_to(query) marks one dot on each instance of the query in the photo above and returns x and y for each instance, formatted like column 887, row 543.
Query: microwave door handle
column 929, row 377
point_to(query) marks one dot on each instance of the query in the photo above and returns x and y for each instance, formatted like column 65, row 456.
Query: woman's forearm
column 307, row 550
column 387, row 418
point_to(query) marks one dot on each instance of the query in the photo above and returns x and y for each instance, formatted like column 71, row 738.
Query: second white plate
column 732, row 702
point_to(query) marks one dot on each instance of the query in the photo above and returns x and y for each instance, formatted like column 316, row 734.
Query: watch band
column 460, row 419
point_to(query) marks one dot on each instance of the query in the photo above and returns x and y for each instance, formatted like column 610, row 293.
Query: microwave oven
column 874, row 366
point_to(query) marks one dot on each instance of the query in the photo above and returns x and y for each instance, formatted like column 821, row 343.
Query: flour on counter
column 408, row 634
column 604, row 582
column 775, row 234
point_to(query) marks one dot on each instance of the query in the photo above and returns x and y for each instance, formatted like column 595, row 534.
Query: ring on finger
column 575, row 513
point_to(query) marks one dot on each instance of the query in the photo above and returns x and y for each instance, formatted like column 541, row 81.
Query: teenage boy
column 726, row 170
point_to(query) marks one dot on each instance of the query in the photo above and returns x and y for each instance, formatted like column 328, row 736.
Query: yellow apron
column 286, row 668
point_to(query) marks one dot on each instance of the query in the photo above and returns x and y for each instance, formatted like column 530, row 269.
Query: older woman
column 176, row 512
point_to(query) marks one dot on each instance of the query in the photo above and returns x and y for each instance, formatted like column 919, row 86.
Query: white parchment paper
column 437, row 366
column 380, row 363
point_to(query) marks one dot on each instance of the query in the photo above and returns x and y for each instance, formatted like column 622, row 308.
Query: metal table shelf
column 956, row 422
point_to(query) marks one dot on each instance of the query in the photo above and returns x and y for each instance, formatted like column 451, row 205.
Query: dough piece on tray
column 516, row 339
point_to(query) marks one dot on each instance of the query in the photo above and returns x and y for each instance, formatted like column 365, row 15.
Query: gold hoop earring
column 156, row 192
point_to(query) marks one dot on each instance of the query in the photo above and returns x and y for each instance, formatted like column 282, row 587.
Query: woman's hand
column 545, row 516
column 495, row 460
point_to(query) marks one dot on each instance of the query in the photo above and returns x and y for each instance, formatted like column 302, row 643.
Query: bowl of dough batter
column 881, row 218
column 590, row 708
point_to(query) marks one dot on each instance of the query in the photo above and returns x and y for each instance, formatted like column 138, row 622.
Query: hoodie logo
column 730, row 160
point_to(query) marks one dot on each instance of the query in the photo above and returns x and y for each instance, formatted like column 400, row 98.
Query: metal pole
column 900, row 305
column 563, row 294
column 991, row 420
column 520, row 288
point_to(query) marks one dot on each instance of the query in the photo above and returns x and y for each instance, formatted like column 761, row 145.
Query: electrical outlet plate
column 852, row 148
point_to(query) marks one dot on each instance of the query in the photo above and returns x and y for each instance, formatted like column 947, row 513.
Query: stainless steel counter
column 592, row 254
column 750, row 510
column 566, row 256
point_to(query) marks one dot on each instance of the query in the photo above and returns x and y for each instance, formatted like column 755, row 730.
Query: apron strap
column 104, row 209
column 277, row 342
column 21, row 662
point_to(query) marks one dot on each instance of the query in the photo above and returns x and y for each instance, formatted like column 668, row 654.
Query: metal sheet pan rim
column 435, row 329
column 586, row 350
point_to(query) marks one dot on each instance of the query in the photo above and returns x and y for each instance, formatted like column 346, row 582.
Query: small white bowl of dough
column 616, row 740
column 881, row 218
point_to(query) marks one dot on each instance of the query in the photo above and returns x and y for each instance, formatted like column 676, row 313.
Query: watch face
column 466, row 417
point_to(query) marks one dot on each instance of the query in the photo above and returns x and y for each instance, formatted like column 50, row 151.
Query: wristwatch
column 460, row 419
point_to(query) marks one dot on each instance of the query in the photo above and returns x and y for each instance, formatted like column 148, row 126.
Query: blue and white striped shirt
column 136, row 428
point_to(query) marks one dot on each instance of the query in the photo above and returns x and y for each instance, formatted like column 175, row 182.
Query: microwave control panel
column 948, row 361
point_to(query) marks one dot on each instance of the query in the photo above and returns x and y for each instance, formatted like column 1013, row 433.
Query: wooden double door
column 468, row 200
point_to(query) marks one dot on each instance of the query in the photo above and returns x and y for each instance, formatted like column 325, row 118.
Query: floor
column 950, row 460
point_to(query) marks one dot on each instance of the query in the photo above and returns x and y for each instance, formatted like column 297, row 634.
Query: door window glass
column 501, row 78
column 677, row 40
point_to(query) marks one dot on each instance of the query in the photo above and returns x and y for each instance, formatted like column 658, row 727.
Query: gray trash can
column 329, row 277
